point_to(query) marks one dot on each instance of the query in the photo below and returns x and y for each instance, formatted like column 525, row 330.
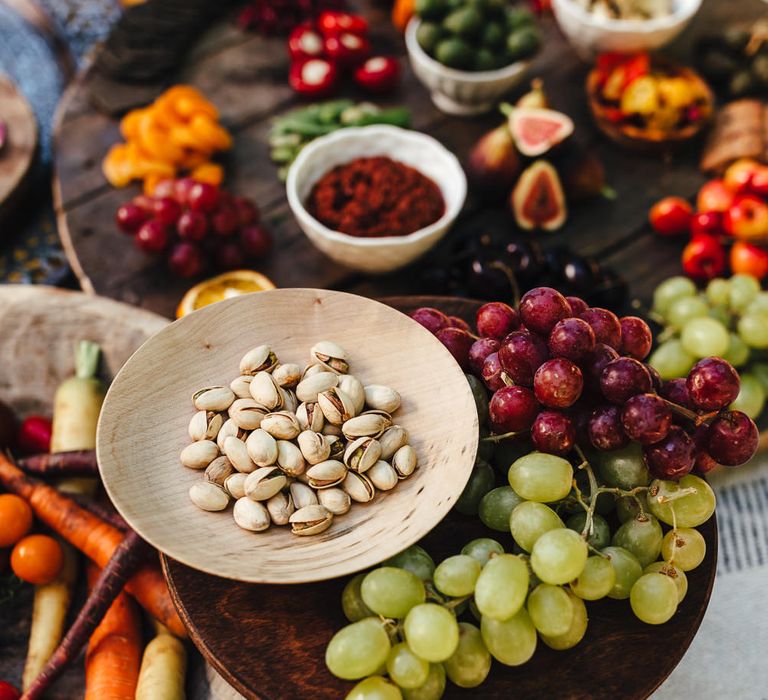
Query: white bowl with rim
column 386, row 253
column 461, row 93
column 590, row 34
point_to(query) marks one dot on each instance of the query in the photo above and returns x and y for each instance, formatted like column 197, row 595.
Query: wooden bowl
column 143, row 428
column 649, row 140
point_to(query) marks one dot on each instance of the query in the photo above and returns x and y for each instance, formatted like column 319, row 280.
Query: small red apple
column 739, row 174
column 708, row 223
column 671, row 216
column 704, row 258
column 760, row 182
column 747, row 218
column 749, row 259
column 714, row 196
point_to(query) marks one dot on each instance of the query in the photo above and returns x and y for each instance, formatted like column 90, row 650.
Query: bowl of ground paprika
column 375, row 198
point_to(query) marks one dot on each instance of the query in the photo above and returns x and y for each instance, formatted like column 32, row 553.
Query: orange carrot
column 95, row 538
column 114, row 650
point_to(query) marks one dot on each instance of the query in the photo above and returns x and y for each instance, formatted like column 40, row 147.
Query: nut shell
column 264, row 483
column 310, row 386
column 246, row 414
column 208, row 496
column 326, row 474
column 238, row 454
column 330, row 355
column 287, row 376
column 199, row 454
column 392, row 439
column 302, row 495
column 265, row 392
column 362, row 454
column 382, row 398
column 359, row 487
column 281, row 425
column 336, row 406
column 314, row 447
column 259, row 359
column 382, row 475
column 213, row 398
column 289, row 458
column 353, row 388
column 251, row 515
column 405, row 461
column 311, row 520
column 335, row 500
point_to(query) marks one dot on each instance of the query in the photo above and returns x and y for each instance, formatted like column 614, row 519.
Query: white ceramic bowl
column 459, row 92
column 413, row 148
column 590, row 35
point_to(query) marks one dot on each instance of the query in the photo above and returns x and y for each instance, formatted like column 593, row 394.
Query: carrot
column 163, row 668
column 92, row 536
column 125, row 561
column 71, row 463
column 107, row 513
column 112, row 658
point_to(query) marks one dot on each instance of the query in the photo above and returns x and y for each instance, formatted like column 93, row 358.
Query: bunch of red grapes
column 574, row 375
column 196, row 225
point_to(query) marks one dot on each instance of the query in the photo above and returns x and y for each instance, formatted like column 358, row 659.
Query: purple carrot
column 74, row 463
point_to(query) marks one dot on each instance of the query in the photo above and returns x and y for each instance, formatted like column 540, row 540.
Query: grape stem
column 674, row 496
column 506, row 379
column 593, row 493
column 503, row 436
column 692, row 416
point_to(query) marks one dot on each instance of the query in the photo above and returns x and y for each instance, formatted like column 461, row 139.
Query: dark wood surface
column 269, row 641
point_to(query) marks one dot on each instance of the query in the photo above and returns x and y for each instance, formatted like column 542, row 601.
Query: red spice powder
column 370, row 197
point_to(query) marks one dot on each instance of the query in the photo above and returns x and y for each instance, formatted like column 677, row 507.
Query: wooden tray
column 269, row 641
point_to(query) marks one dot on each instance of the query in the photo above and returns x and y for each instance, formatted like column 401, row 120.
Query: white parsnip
column 163, row 668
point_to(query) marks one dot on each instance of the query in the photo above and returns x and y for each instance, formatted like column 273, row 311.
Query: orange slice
column 224, row 286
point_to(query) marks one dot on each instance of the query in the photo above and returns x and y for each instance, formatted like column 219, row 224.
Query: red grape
column 229, row 256
column 167, row 211
column 129, row 217
column 512, row 409
column 606, row 326
column 192, row 226
column 656, row 380
column 496, row 320
column 491, row 372
column 712, row 384
column 145, row 202
column 671, row 457
column 165, row 188
column 553, row 432
column 224, row 222
column 542, row 307
column 247, row 211
column 704, row 462
column 182, row 189
column 636, row 338
column 558, row 383
column 732, row 438
column 676, row 391
column 577, row 304
column 458, row 342
column 432, row 319
column 646, row 418
column 605, row 429
column 152, row 237
column 457, row 322
column 571, row 338
column 479, row 352
column 595, row 363
column 256, row 241
column 521, row 354
column 624, row 377
column 203, row 197
column 186, row 260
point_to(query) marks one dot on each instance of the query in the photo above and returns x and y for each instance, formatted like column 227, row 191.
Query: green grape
column 721, row 314
column 671, row 360
column 482, row 549
column 751, row 398
column 456, row 576
column 485, row 448
column 575, row 632
column 433, row 687
column 481, row 481
column 738, row 351
column 496, row 507
column 753, row 329
column 502, row 586
column 357, row 650
column 627, row 570
column 760, row 370
column 405, row 668
column 642, row 537
column 480, row 395
column 759, row 304
column 718, row 292
column 431, row 632
column 743, row 289
column 559, row 556
column 670, row 290
column 541, row 477
column 352, row 602
column 653, row 598
column 601, row 533
column 469, row 665
column 375, row 688
column 685, row 547
column 392, row 592
column 596, row 581
column 530, row 520
column 690, row 510
column 674, row 572
column 705, row 337
column 512, row 641
column 685, row 309
column 550, row 609
column 624, row 467
column 414, row 559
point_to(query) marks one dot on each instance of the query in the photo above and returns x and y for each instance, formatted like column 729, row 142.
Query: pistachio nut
column 234, row 485
column 200, row 454
column 290, row 402
column 218, row 470
column 213, row 398
column 368, row 424
column 289, row 458
column 335, row 500
column 265, row 392
column 280, row 507
column 362, row 454
column 205, row 425
column 264, row 483
column 250, row 515
column 262, row 448
column 287, row 376
column 302, row 495
column 331, row 430
column 337, row 446
column 314, row 446
column 310, row 416
column 229, row 429
column 404, row 461
column 309, row 387
column 392, row 439
column 382, row 475
column 330, row 355
column 281, row 425
column 238, row 454
column 208, row 496
column 325, row 474
column 260, row 359
column 247, row 414
column 382, row 398
column 311, row 520
column 353, row 388
column 313, row 368
column 359, row 487
column 241, row 386
column 336, row 406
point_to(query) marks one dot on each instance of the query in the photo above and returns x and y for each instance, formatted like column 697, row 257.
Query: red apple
column 709, row 223
column 704, row 258
column 749, row 259
column 738, row 176
column 747, row 218
column 760, row 182
column 714, row 196
column 671, row 216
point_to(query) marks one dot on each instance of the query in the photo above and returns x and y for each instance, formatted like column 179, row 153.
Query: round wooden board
column 269, row 641
column 17, row 154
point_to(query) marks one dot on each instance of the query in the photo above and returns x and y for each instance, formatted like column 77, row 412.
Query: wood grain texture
column 17, row 154
column 282, row 631
column 143, row 428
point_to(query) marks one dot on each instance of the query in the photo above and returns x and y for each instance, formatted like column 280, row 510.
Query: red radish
column 35, row 435
column 8, row 691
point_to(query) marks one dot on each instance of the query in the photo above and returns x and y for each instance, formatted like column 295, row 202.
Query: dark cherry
column 606, row 326
column 553, row 432
column 152, row 237
column 521, row 354
column 192, row 226
column 247, row 211
column 166, row 210
column 712, row 384
column 646, row 418
column 512, row 409
column 186, row 260
column 605, row 429
column 479, row 352
column 224, row 222
column 203, row 197
column 229, row 256
column 256, row 241
column 129, row 217
column 571, row 338
column 671, row 457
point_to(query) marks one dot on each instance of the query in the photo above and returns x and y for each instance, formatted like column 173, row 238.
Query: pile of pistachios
column 295, row 446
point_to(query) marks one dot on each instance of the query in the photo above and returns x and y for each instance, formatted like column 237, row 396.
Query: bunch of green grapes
column 414, row 626
column 729, row 319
